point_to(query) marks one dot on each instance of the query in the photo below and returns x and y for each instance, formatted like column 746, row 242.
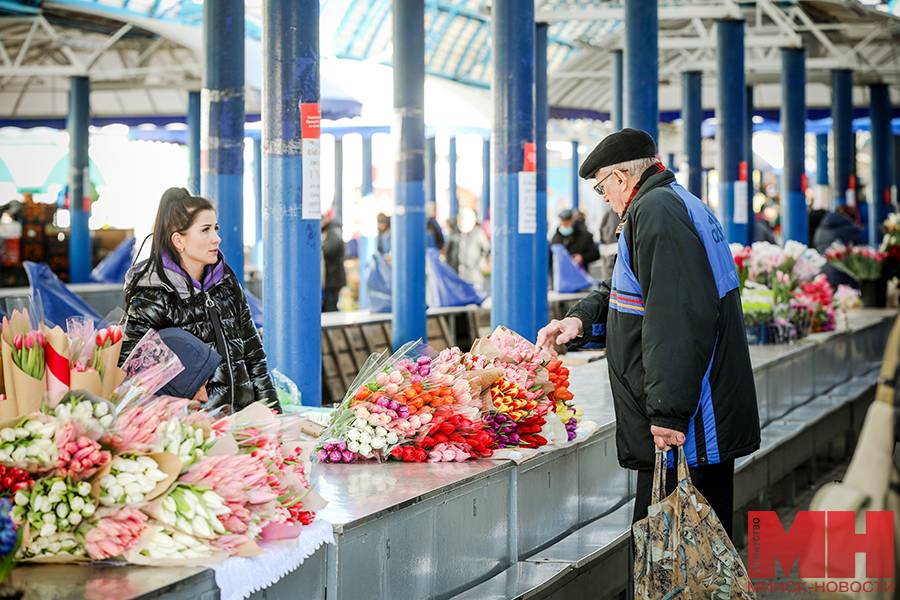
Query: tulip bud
column 336, row 456
column 349, row 457
column 18, row 342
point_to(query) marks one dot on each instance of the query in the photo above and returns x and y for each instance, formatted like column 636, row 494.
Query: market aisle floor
column 829, row 470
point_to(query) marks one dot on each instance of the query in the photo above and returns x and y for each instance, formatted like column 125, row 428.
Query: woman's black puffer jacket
column 242, row 378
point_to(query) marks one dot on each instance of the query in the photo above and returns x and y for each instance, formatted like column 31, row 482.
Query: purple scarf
column 212, row 274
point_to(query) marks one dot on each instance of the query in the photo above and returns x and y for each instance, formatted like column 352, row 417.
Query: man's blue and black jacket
column 671, row 320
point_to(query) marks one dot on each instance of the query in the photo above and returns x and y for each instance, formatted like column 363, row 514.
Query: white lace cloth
column 239, row 577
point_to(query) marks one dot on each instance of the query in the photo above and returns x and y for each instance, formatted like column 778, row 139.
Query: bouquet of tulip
column 29, row 443
column 860, row 262
column 22, row 350
column 114, row 532
column 54, row 506
column 815, row 298
column 132, row 478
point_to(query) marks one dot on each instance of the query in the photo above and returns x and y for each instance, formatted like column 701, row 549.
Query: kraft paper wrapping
column 9, row 384
column 109, row 358
column 87, row 380
column 57, row 367
column 29, row 391
column 481, row 379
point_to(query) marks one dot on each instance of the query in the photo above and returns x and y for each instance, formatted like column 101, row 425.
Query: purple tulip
column 322, row 455
column 328, row 446
column 340, row 446
column 424, row 360
column 348, row 456
column 336, row 456
column 415, row 379
column 394, row 405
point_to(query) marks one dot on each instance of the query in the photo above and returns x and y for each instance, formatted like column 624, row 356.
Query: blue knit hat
column 198, row 359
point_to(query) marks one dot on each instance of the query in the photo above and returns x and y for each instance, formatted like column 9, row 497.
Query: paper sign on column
column 740, row 202
column 310, row 116
column 527, row 202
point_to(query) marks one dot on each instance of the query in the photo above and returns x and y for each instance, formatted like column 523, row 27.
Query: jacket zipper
column 217, row 324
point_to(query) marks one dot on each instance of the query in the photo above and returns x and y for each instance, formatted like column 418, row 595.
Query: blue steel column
column 193, row 125
column 541, row 116
column 794, row 223
column 258, row 203
column 339, row 179
column 451, row 185
column 822, row 200
column 617, row 87
column 222, row 178
column 512, row 243
column 748, row 156
column 641, row 98
column 843, row 139
column 692, row 118
column 79, row 122
column 292, row 289
column 430, row 176
column 880, row 202
column 730, row 116
column 408, row 321
column 575, row 157
column 367, row 243
column 485, row 212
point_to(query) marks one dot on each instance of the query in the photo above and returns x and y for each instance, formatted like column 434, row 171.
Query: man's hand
column 558, row 332
column 664, row 438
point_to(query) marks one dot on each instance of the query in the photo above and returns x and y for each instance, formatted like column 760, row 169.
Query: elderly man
column 679, row 366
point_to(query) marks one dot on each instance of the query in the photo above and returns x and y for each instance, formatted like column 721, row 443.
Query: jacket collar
column 212, row 275
column 655, row 176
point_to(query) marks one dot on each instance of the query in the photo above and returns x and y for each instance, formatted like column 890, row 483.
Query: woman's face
column 199, row 245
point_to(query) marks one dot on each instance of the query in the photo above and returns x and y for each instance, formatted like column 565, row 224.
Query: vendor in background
column 468, row 248
column 573, row 234
column 334, row 277
column 435, row 237
column 384, row 234
column 838, row 226
column 186, row 284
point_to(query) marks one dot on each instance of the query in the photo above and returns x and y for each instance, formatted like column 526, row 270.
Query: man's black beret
column 619, row 147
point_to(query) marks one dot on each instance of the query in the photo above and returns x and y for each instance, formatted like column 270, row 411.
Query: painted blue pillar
column 843, row 138
column 339, row 179
column 222, row 178
column 617, row 86
column 748, row 155
column 408, row 322
column 451, row 185
column 823, row 197
column 485, row 212
column 794, row 221
column 882, row 177
column 641, row 98
column 292, row 288
column 258, row 250
column 730, row 116
column 575, row 178
column 541, row 116
column 193, row 125
column 430, row 168
column 368, row 240
column 513, row 217
column 692, row 118
column 79, row 121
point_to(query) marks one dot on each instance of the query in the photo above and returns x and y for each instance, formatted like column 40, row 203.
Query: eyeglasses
column 599, row 186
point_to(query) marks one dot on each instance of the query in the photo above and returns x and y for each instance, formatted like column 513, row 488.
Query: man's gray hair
column 634, row 167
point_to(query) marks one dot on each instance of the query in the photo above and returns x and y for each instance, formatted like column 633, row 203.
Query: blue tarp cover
column 379, row 284
column 113, row 268
column 445, row 287
column 568, row 276
column 54, row 297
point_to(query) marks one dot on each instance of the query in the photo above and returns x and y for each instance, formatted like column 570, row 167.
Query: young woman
column 186, row 284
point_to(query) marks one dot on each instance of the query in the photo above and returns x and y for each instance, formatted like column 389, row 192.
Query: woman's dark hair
column 178, row 210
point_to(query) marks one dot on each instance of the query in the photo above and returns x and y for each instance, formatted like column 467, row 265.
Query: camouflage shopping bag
column 681, row 551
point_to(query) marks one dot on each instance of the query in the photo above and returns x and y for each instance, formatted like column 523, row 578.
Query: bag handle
column 659, row 480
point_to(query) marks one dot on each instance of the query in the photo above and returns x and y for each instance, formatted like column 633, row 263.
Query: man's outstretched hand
column 558, row 332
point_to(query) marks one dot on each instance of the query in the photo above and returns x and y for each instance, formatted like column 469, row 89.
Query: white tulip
column 8, row 434
column 134, row 489
column 391, row 437
column 143, row 482
column 48, row 530
column 106, row 421
column 22, row 498
column 365, row 449
column 125, row 478
column 105, row 501
column 353, row 434
column 53, row 497
column 84, row 488
column 183, row 524
column 88, row 510
column 21, row 432
column 48, row 517
column 77, row 503
column 31, row 427
column 19, row 453
column 377, row 443
column 62, row 510
column 364, row 438
column 116, row 491
column 101, row 409
column 107, row 480
column 353, row 446
column 75, row 518
column 48, row 430
column 380, row 431
column 117, row 463
column 5, row 455
column 359, row 423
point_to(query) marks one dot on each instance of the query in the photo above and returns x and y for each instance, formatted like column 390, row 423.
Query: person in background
column 838, row 226
column 762, row 230
column 199, row 361
column 670, row 316
column 608, row 242
column 573, row 234
column 435, row 237
column 186, row 284
column 333, row 275
column 468, row 248
column 384, row 234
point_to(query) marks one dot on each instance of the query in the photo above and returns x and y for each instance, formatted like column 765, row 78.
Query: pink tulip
column 18, row 342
